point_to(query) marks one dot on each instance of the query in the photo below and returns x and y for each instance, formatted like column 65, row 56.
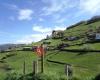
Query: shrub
column 11, row 76
column 97, row 77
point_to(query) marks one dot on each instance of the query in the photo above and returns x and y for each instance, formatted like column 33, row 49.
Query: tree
column 47, row 37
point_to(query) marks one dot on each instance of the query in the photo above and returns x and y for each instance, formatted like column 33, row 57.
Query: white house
column 97, row 36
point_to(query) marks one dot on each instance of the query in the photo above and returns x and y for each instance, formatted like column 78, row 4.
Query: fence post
column 42, row 63
column 68, row 71
column 24, row 72
column 37, row 66
column 34, row 63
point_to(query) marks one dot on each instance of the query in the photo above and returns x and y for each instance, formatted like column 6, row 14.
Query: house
column 57, row 34
column 90, row 34
column 93, row 36
column 97, row 37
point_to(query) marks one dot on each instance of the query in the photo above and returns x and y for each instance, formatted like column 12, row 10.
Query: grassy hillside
column 84, row 66
column 16, row 62
column 78, row 31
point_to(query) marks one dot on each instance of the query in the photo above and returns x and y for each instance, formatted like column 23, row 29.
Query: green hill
column 77, row 30
column 85, row 65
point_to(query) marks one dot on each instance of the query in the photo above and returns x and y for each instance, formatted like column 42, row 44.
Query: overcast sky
column 24, row 21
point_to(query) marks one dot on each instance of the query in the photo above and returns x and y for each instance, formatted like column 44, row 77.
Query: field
column 84, row 66
column 16, row 61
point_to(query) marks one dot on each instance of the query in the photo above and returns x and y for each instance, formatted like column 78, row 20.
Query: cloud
column 90, row 6
column 25, row 14
column 42, row 33
column 42, row 29
column 11, row 6
column 32, row 38
column 55, row 6
column 59, row 28
column 41, row 19
column 60, row 19
column 39, row 36
column 25, row 39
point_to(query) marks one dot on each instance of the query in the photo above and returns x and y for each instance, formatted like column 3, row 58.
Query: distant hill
column 5, row 47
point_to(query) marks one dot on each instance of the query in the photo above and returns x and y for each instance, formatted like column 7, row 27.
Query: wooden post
column 66, row 71
column 42, row 58
column 24, row 70
column 34, row 67
column 42, row 63
column 37, row 66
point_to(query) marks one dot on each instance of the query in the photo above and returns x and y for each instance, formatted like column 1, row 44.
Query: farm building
column 57, row 34
column 93, row 36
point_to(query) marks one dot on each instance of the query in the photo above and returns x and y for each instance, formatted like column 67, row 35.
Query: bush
column 97, row 77
column 11, row 76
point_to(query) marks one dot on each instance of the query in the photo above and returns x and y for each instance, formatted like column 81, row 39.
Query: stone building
column 57, row 34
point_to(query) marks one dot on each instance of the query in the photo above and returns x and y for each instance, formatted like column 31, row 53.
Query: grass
column 93, row 46
column 86, row 65
column 16, row 62
column 76, row 31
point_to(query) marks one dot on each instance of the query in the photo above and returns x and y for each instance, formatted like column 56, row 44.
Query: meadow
column 85, row 66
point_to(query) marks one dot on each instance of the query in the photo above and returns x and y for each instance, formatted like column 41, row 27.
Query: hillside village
column 89, row 34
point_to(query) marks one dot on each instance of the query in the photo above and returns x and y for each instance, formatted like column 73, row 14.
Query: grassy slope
column 93, row 46
column 76, row 31
column 16, row 62
column 79, row 30
column 89, row 64
column 84, row 66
